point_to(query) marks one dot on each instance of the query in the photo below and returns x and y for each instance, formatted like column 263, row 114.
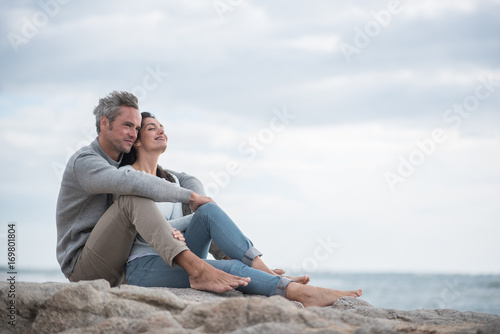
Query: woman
column 146, row 268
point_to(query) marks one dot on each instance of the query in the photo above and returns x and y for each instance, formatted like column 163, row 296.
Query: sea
column 477, row 293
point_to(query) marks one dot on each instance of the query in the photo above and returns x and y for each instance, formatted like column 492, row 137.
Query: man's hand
column 196, row 200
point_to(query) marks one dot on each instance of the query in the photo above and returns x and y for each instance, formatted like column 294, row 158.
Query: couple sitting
column 108, row 221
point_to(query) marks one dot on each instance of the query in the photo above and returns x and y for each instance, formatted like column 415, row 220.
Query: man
column 95, row 235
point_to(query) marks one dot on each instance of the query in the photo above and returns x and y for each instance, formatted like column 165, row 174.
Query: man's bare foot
column 203, row 276
column 316, row 296
column 215, row 280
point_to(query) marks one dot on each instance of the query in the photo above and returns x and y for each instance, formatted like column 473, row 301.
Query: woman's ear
column 137, row 143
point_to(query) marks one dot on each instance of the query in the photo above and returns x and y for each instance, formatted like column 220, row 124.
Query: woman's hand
column 179, row 236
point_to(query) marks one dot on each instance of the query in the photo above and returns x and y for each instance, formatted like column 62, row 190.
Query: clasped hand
column 179, row 236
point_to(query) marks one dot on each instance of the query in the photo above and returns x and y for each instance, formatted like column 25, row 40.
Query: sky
column 347, row 136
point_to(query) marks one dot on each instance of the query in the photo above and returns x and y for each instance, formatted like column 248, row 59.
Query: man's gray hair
column 110, row 105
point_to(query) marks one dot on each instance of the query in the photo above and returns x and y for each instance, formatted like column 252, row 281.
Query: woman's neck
column 146, row 163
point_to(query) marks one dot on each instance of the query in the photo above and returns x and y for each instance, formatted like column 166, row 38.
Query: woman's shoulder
column 175, row 178
column 166, row 174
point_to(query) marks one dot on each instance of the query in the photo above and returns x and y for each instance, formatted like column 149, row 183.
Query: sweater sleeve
column 189, row 182
column 96, row 176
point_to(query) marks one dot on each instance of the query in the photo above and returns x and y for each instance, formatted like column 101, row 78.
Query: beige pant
column 106, row 251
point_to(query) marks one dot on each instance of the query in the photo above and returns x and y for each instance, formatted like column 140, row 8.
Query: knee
column 207, row 208
column 133, row 198
column 127, row 199
column 207, row 213
column 128, row 203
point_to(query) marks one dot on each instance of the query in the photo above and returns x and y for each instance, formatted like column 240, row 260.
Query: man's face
column 122, row 133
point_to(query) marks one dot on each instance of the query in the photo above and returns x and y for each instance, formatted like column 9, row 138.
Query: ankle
column 192, row 264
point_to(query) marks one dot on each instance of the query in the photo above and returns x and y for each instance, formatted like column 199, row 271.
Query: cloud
column 331, row 179
column 435, row 10
column 206, row 60
column 315, row 43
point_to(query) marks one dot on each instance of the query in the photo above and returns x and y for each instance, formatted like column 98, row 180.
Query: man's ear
column 104, row 122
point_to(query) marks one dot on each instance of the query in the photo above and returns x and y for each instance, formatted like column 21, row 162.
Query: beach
column 402, row 291
column 95, row 307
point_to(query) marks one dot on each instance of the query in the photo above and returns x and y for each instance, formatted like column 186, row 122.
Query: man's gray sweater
column 88, row 184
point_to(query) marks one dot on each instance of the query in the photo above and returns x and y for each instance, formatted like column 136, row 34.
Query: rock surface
column 94, row 307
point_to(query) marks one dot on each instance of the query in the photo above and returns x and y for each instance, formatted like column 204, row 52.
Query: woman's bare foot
column 279, row 272
column 260, row 265
column 301, row 280
column 316, row 296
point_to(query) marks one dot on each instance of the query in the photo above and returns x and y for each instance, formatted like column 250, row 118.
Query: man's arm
column 190, row 182
column 96, row 176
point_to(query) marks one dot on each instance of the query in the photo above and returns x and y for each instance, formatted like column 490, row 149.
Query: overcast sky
column 339, row 135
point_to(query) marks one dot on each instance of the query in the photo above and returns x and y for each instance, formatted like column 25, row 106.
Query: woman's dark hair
column 131, row 157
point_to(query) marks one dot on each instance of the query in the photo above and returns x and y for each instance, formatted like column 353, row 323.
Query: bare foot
column 316, row 296
column 278, row 272
column 260, row 265
column 215, row 280
column 301, row 280
column 326, row 297
column 203, row 276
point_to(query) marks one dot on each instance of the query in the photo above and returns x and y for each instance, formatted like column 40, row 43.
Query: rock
column 95, row 307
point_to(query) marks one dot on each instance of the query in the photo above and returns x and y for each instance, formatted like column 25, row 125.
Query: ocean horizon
column 402, row 291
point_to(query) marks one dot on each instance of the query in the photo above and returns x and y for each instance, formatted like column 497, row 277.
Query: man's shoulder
column 85, row 153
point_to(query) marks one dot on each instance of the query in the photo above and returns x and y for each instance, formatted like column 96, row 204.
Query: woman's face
column 152, row 136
